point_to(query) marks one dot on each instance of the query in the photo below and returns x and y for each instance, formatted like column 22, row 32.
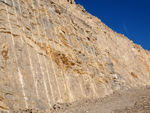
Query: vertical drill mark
column 66, row 83
column 91, row 82
column 53, row 67
column 61, row 71
column 33, row 74
column 27, row 49
column 45, row 86
column 20, row 75
column 81, row 87
column 102, row 57
column 46, row 64
column 40, row 67
column 22, row 83
column 97, row 66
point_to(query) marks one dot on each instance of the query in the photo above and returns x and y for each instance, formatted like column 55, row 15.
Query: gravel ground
column 134, row 100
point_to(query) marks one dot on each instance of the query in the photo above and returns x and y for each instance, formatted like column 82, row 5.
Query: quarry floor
column 134, row 100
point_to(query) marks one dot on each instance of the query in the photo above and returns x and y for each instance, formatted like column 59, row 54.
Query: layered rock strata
column 53, row 51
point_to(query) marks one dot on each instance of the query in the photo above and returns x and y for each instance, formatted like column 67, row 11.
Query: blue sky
column 128, row 17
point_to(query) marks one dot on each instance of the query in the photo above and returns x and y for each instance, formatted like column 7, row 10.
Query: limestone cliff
column 54, row 51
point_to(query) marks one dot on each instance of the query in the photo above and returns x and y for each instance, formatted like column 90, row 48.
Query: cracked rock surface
column 54, row 51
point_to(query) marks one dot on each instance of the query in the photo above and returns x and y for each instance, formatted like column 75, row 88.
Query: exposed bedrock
column 53, row 51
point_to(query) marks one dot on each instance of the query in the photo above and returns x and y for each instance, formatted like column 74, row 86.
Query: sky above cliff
column 128, row 17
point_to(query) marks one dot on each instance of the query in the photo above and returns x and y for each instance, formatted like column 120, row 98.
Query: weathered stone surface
column 53, row 51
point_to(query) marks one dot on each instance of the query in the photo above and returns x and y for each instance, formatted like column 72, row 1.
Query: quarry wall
column 53, row 51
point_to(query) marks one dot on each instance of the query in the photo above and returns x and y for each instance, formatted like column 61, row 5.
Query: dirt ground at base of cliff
column 134, row 100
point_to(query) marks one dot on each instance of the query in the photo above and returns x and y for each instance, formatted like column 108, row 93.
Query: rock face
column 53, row 51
